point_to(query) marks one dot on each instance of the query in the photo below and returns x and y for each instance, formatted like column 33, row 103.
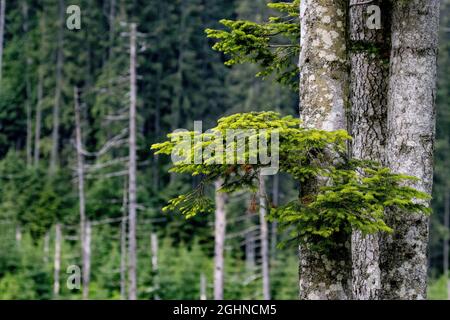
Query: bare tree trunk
column 29, row 138
column 369, row 77
column 264, row 234
column 154, row 247
column 40, row 92
column 203, row 287
column 2, row 34
column 46, row 247
column 219, row 241
column 82, row 206
column 37, row 126
column 323, row 99
column 446, row 240
column 123, row 245
column 250, row 238
column 57, row 260
column 18, row 235
column 86, row 260
column 58, row 90
column 411, row 134
column 132, row 170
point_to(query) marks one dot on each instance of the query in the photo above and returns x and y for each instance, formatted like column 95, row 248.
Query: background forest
column 180, row 80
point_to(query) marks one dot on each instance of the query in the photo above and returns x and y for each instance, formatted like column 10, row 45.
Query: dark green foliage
column 273, row 45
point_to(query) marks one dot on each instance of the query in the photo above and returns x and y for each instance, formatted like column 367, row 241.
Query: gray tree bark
column 154, row 249
column 411, row 134
column 264, row 236
column 38, row 120
column 323, row 101
column 123, row 244
column 85, row 228
column 29, row 138
column 219, row 241
column 203, row 287
column 57, row 261
column 369, row 74
column 58, row 90
column 132, row 294
column 87, row 259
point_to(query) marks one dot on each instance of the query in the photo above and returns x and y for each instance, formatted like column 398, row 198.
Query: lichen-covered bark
column 411, row 127
column 323, row 101
column 368, row 98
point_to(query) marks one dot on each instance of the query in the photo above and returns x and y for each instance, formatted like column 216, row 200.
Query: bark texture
column 132, row 166
column 219, row 242
column 369, row 72
column 264, row 236
column 323, row 102
column 57, row 260
column 411, row 134
column 58, row 90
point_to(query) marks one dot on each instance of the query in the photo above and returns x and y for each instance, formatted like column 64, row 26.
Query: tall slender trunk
column 123, row 244
column 46, row 247
column 29, row 137
column 264, row 236
column 57, row 261
column 87, row 259
column 368, row 98
column 323, row 102
column 58, row 90
column 154, row 249
column 411, row 134
column 81, row 195
column 132, row 170
column 219, row 242
column 37, row 126
column 203, row 295
column 249, row 240
column 2, row 35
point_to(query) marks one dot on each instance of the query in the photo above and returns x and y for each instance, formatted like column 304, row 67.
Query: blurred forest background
column 180, row 80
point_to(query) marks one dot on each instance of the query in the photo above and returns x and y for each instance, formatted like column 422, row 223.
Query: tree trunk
column 411, row 134
column 250, row 238
column 203, row 287
column 46, row 247
column 86, row 260
column 132, row 170
column 57, row 260
column 323, row 99
column 154, row 248
column 29, row 138
column 2, row 35
column 82, row 206
column 37, row 126
column 368, row 98
column 123, row 244
column 264, row 234
column 58, row 90
column 219, row 242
